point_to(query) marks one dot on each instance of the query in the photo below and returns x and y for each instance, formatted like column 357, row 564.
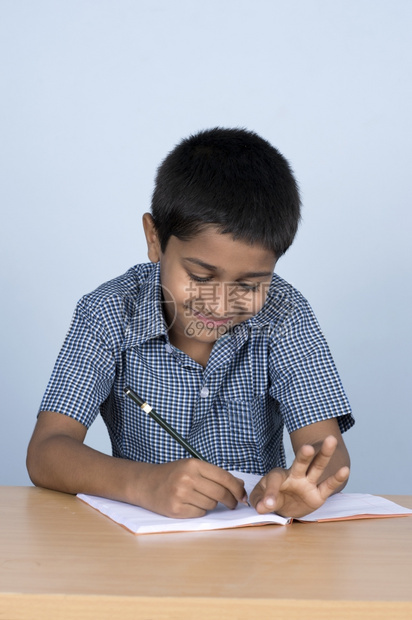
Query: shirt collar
column 147, row 321
column 279, row 305
column 264, row 318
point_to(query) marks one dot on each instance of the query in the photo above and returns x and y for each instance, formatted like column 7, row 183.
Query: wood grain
column 60, row 559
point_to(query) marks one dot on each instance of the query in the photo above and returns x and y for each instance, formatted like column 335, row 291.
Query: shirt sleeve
column 85, row 368
column 305, row 381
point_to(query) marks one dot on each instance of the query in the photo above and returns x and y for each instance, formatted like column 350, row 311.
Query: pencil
column 169, row 429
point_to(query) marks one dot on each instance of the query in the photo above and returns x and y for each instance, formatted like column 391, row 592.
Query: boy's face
column 210, row 283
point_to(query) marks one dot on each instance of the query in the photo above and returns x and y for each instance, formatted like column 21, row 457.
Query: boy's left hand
column 299, row 490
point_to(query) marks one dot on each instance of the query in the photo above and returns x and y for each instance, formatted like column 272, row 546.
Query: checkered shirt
column 272, row 370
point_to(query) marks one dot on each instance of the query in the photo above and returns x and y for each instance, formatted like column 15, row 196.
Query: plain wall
column 95, row 93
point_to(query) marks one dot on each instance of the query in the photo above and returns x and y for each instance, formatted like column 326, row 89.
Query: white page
column 344, row 505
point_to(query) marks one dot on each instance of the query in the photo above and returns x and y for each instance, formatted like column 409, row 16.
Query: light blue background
column 95, row 93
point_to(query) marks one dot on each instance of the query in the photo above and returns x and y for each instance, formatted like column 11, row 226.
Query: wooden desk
column 60, row 559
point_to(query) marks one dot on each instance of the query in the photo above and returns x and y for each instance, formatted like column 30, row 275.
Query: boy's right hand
column 58, row 459
column 187, row 488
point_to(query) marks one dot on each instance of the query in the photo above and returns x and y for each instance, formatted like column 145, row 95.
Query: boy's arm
column 58, row 459
column 320, row 468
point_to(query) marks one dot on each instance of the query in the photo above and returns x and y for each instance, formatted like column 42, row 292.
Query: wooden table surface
column 61, row 560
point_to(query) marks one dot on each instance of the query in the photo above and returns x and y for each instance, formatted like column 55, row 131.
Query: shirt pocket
column 255, row 428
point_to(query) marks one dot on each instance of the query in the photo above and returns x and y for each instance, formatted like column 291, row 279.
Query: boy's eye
column 247, row 287
column 198, row 278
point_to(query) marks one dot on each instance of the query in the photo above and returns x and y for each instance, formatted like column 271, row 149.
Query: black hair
column 232, row 179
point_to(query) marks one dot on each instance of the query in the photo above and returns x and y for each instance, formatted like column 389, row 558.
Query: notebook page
column 352, row 505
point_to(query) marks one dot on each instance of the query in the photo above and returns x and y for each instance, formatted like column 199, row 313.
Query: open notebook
column 338, row 507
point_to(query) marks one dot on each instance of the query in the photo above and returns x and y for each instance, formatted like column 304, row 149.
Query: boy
column 221, row 347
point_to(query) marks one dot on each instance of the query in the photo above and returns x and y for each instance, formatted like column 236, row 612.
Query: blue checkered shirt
column 272, row 370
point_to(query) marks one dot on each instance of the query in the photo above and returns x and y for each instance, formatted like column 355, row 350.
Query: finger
column 302, row 461
column 226, row 482
column 217, row 484
column 245, row 498
column 228, row 490
column 264, row 497
column 202, row 502
column 258, row 492
column 197, row 498
column 194, row 507
column 322, row 459
column 329, row 486
column 217, row 493
column 206, row 499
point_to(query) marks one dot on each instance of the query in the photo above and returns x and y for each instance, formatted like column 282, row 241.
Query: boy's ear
column 152, row 239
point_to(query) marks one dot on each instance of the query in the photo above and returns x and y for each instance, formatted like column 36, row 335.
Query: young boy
column 226, row 351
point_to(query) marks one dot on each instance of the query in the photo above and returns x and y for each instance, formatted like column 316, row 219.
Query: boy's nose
column 219, row 307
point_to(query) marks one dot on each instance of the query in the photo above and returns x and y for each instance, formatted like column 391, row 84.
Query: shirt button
column 204, row 392
column 168, row 348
